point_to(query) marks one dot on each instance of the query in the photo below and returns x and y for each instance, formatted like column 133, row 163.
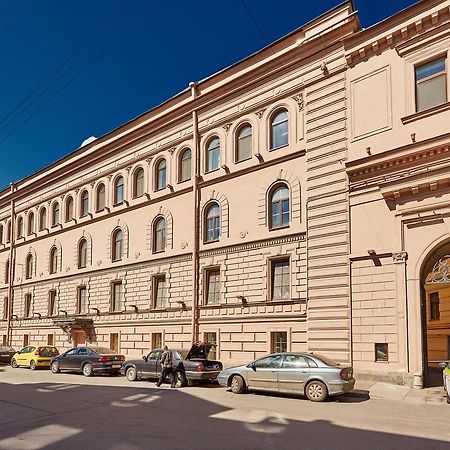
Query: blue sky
column 72, row 69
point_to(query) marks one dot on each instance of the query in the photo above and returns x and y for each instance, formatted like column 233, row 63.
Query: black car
column 88, row 360
column 6, row 353
column 190, row 365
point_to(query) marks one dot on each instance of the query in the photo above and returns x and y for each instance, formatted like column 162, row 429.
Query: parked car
column 445, row 365
column 34, row 356
column 190, row 365
column 312, row 375
column 6, row 353
column 88, row 361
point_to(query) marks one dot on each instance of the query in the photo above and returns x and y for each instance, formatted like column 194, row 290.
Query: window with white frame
column 138, row 183
column 159, row 291
column 117, row 245
column 212, row 286
column 82, row 253
column 161, row 174
column 213, row 154
column 279, row 129
column 212, row 223
column 431, row 84
column 159, row 235
column 119, row 190
column 117, row 300
column 244, row 143
column 280, row 286
column 184, row 171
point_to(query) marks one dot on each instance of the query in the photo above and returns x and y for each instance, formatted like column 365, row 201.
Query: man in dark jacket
column 167, row 367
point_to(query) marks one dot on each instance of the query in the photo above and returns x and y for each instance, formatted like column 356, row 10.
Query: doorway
column 435, row 305
column 79, row 338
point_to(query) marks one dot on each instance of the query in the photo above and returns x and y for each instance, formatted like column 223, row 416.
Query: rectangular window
column 381, row 352
column 52, row 303
column 26, row 340
column 82, row 300
column 117, row 296
column 5, row 308
column 157, row 341
column 4, row 339
column 27, row 306
column 278, row 341
column 212, row 283
column 159, row 291
column 434, row 306
column 50, row 339
column 280, row 279
column 114, row 342
column 431, row 84
column 211, row 338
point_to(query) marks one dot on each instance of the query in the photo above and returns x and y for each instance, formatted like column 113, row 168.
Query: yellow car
column 34, row 356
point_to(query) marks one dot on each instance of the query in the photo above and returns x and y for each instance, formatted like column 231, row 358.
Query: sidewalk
column 394, row 392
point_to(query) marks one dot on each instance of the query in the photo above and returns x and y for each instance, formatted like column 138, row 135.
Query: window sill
column 210, row 242
column 243, row 160
column 426, row 113
column 278, row 228
column 211, row 171
column 278, row 148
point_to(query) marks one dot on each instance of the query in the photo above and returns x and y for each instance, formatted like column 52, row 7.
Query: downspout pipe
column 196, row 212
column 11, row 268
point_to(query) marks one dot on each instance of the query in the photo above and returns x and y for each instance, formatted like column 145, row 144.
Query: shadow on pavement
column 71, row 416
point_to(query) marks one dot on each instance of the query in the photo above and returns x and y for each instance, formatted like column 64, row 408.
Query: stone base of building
column 400, row 378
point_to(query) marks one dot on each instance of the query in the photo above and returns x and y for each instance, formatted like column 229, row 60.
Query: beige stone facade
column 312, row 208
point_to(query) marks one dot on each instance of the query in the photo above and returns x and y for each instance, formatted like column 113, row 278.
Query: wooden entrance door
column 79, row 338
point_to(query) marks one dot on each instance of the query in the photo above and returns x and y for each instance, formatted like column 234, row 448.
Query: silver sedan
column 309, row 374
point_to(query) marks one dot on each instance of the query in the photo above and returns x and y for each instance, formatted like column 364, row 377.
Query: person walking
column 167, row 367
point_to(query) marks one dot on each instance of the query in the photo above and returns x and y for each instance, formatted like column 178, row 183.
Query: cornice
column 399, row 35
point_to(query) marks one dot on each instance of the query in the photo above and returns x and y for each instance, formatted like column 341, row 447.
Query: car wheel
column 316, row 391
column 131, row 374
column 88, row 370
column 32, row 364
column 14, row 364
column 55, row 367
column 237, row 385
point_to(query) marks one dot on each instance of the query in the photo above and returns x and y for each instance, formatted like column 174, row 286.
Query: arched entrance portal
column 435, row 302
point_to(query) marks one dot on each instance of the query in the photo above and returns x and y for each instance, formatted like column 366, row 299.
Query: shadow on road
column 71, row 416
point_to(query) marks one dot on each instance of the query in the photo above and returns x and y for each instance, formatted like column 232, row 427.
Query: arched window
column 118, row 190
column 29, row 266
column 213, row 154
column 244, row 143
column 138, row 183
column 101, row 197
column 55, row 214
column 159, row 235
column 8, row 232
column 212, row 223
column 84, row 204
column 69, row 208
column 53, row 260
column 160, row 174
column 279, row 206
column 30, row 223
column 184, row 165
column 42, row 218
column 7, row 271
column 117, row 245
column 279, row 129
column 20, row 227
column 82, row 253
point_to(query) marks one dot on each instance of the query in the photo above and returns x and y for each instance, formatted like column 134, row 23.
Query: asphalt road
column 40, row 410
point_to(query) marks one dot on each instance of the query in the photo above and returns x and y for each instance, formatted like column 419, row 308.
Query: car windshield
column 103, row 351
column 48, row 351
column 326, row 360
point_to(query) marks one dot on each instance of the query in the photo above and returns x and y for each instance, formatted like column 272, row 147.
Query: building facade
column 296, row 200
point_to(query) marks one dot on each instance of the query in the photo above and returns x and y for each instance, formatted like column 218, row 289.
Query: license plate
column 116, row 366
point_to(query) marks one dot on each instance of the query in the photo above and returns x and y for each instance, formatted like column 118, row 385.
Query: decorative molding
column 243, row 233
column 254, row 245
column 149, row 160
column 440, row 273
column 227, row 126
column 172, row 150
column 299, row 99
column 260, row 112
column 128, row 169
column 399, row 257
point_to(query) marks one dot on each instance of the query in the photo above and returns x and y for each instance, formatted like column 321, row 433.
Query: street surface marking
column 58, row 387
column 150, row 399
column 134, row 397
column 38, row 438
